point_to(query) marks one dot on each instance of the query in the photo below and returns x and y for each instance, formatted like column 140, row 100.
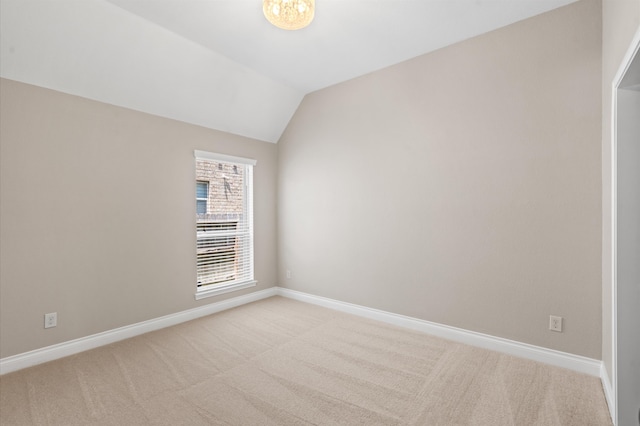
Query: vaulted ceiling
column 219, row 63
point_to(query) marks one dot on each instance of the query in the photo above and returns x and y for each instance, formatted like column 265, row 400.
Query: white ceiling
column 218, row 63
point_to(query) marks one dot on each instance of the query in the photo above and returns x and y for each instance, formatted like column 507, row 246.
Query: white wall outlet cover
column 50, row 320
column 555, row 323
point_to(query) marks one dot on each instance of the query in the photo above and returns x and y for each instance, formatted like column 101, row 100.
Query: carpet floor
column 283, row 362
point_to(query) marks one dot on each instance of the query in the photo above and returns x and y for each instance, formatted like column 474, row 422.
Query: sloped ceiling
column 219, row 63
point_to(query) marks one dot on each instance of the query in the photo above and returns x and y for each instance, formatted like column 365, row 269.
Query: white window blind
column 225, row 229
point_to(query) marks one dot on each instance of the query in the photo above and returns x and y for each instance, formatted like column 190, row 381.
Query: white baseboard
column 50, row 353
column 536, row 353
column 608, row 393
column 523, row 350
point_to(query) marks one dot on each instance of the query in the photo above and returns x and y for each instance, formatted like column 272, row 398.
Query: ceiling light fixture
column 289, row 14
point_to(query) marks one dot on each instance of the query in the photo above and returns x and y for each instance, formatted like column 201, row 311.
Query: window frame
column 248, row 279
column 205, row 199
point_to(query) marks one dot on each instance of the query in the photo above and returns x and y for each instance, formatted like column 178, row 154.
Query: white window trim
column 225, row 288
column 205, row 155
column 203, row 292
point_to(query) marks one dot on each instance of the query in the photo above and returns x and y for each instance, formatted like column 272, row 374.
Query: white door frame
column 622, row 70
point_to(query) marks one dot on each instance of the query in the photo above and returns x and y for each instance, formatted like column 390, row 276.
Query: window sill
column 221, row 289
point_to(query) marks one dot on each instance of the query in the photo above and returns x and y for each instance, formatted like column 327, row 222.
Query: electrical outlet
column 288, row 273
column 50, row 320
column 555, row 323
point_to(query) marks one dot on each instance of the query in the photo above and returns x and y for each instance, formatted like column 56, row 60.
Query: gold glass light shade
column 289, row 14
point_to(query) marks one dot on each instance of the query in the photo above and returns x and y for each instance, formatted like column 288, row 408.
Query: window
column 224, row 223
column 202, row 195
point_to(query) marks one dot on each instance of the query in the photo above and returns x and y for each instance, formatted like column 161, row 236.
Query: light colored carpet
column 282, row 362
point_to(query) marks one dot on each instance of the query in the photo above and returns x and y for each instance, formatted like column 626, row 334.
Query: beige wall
column 97, row 215
column 461, row 187
column 620, row 21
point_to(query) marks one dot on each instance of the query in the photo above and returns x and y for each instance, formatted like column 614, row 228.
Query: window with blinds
column 224, row 223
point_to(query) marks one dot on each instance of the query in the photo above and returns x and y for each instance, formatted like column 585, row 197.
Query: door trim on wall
column 612, row 392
